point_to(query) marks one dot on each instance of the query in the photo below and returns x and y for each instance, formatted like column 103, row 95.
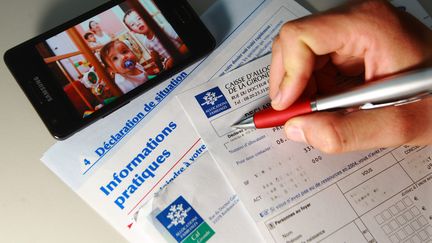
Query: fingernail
column 277, row 98
column 295, row 133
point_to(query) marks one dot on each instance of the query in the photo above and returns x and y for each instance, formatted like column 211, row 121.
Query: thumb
column 336, row 132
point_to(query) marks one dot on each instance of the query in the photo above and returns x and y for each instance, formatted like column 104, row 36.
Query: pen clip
column 369, row 106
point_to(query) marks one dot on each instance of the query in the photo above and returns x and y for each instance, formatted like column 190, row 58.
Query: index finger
column 301, row 41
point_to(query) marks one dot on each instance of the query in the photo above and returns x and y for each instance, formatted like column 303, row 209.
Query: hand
column 322, row 53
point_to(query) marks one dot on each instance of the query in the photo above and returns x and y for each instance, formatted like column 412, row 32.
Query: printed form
column 297, row 194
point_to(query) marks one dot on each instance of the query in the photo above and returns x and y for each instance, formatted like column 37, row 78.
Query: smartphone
column 92, row 65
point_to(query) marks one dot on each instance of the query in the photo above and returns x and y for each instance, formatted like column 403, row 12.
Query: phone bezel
column 56, row 111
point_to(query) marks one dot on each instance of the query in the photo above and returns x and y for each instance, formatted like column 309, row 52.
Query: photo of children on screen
column 121, row 49
column 147, row 37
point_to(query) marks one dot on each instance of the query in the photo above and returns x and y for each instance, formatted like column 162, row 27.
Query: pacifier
column 129, row 64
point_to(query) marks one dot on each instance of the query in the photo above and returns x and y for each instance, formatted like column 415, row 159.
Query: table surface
column 35, row 205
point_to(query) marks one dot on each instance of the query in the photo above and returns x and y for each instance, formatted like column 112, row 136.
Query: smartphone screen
column 92, row 65
column 108, row 55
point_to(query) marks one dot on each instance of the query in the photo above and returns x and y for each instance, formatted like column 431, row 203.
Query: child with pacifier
column 120, row 60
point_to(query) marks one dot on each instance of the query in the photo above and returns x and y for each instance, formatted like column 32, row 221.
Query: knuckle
column 333, row 142
column 290, row 30
column 403, row 129
column 276, row 42
column 376, row 5
column 379, row 12
column 330, row 139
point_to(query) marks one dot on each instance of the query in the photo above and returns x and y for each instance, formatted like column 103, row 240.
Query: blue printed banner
column 213, row 102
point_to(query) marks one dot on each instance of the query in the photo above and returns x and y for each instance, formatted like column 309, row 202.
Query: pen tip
column 244, row 124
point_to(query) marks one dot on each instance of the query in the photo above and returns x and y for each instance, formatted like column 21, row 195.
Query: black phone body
column 90, row 66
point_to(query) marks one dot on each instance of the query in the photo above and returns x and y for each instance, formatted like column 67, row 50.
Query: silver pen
column 396, row 90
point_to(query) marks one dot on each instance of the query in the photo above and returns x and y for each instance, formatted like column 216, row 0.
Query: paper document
column 210, row 196
column 296, row 193
column 155, row 156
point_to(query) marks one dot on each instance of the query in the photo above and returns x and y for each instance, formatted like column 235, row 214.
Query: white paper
column 292, row 191
column 150, row 160
column 208, row 192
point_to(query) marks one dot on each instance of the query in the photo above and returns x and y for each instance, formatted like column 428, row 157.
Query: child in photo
column 91, row 39
column 148, row 38
column 101, row 36
column 120, row 60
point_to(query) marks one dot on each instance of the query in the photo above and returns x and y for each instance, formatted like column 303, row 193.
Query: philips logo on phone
column 213, row 102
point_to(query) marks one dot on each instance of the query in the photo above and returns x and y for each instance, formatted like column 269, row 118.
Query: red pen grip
column 273, row 118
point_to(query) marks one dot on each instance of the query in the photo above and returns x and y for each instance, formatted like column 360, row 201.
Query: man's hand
column 328, row 52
